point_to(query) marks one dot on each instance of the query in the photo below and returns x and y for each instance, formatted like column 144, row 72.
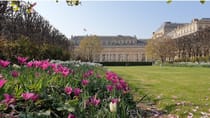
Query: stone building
column 118, row 48
column 192, row 39
column 166, row 28
column 176, row 30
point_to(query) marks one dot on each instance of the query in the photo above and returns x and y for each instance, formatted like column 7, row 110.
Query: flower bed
column 45, row 89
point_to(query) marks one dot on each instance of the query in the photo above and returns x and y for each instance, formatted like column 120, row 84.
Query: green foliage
column 30, row 34
column 25, row 47
column 202, row 1
column 15, row 5
column 169, row 1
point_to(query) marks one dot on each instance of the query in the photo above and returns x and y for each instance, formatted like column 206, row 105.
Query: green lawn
column 177, row 90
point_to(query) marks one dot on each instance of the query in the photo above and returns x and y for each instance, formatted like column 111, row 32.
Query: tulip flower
column 109, row 88
column 77, row 91
column 8, row 99
column 71, row 116
column 85, row 82
column 30, row 96
column 22, row 60
column 2, row 82
column 113, row 107
column 68, row 90
column 14, row 74
column 4, row 64
column 93, row 101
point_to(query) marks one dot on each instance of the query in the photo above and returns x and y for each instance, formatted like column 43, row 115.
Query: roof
column 168, row 26
column 119, row 37
column 77, row 39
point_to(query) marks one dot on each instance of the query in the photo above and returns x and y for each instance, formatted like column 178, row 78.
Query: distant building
column 118, row 48
column 166, row 28
column 191, row 38
column 176, row 30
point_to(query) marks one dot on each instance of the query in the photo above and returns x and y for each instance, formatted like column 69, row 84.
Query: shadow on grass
column 146, row 103
column 170, row 108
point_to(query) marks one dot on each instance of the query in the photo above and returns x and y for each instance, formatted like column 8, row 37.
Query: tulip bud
column 113, row 107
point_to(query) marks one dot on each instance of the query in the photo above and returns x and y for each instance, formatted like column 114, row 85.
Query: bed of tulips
column 44, row 89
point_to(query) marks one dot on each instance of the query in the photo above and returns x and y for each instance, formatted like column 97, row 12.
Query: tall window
column 103, row 57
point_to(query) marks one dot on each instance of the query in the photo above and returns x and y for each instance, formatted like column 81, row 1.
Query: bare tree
column 162, row 48
column 89, row 47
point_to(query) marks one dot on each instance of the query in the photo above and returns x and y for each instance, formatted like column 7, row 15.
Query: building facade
column 177, row 30
column 191, row 39
column 117, row 48
column 165, row 29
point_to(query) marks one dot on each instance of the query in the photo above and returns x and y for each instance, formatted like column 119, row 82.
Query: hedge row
column 126, row 63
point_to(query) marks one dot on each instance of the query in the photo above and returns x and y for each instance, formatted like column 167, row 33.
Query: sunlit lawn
column 177, row 90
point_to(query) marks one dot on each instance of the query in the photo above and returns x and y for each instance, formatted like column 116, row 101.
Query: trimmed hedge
column 126, row 63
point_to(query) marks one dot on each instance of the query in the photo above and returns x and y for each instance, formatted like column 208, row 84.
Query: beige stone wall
column 121, row 54
column 116, row 49
column 183, row 30
column 190, row 28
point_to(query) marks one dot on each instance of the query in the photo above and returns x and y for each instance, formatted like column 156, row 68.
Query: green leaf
column 72, row 2
column 70, row 109
column 60, row 108
column 202, row 1
column 15, row 5
column 168, row 1
column 46, row 113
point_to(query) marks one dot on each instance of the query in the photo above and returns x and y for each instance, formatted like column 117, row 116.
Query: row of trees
column 192, row 47
column 19, row 25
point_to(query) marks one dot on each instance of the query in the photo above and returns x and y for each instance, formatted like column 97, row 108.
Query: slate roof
column 76, row 39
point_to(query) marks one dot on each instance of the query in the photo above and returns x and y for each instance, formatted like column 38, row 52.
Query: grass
column 176, row 90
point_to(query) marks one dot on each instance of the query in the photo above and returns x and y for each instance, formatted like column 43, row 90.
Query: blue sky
column 139, row 18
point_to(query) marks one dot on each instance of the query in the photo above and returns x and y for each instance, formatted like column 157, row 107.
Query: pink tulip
column 93, row 101
column 30, row 96
column 118, row 86
column 4, row 64
column 44, row 65
column 8, row 99
column 68, row 90
column 14, row 74
column 65, row 72
column 88, row 74
column 30, row 64
column 109, row 88
column 77, row 91
column 22, row 60
column 37, row 63
column 2, row 82
column 85, row 82
column 111, row 77
column 71, row 116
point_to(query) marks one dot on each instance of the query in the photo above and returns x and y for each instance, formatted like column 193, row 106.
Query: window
column 103, row 57
column 119, row 57
column 113, row 59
